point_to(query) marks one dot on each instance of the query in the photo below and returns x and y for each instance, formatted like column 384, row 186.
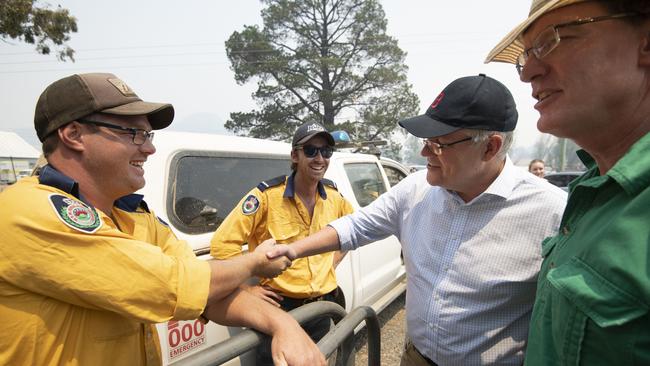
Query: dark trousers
column 413, row 357
column 316, row 328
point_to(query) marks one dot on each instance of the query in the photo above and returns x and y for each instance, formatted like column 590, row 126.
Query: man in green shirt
column 588, row 63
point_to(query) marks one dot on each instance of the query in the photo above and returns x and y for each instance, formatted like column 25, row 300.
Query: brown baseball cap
column 79, row 95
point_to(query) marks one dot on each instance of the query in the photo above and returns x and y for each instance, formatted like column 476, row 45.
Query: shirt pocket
column 284, row 232
column 583, row 295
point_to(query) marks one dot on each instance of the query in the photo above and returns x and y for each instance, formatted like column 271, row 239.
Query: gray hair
column 483, row 135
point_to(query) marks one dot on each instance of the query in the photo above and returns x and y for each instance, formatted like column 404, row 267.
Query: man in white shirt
column 470, row 225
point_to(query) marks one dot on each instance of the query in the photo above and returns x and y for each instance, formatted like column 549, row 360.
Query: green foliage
column 27, row 21
column 329, row 61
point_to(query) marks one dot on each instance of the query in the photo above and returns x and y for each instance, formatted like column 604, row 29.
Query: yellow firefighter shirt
column 78, row 288
column 271, row 210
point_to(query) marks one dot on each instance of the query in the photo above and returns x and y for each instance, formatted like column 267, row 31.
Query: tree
column 410, row 152
column 27, row 21
column 329, row 61
column 558, row 153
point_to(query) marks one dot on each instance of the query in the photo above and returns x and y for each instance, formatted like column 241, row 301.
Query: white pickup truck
column 194, row 181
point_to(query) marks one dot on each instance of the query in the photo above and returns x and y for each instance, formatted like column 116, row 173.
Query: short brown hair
column 50, row 143
column 52, row 140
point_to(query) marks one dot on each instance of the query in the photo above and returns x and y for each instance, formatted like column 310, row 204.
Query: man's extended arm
column 338, row 258
column 229, row 274
column 376, row 221
column 325, row 240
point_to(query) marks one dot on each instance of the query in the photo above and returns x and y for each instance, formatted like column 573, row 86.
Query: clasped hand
column 280, row 250
column 271, row 266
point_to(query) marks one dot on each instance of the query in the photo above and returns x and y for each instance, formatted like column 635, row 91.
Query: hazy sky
column 173, row 51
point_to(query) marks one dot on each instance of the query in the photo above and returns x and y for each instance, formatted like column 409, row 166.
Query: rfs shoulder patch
column 76, row 214
column 250, row 205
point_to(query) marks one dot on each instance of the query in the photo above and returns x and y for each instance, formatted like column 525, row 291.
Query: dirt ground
column 393, row 326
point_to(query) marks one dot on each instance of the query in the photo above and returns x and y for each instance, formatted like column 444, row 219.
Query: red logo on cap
column 438, row 100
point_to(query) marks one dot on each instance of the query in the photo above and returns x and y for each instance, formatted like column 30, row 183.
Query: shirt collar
column 131, row 202
column 505, row 182
column 49, row 176
column 632, row 171
column 289, row 191
column 501, row 187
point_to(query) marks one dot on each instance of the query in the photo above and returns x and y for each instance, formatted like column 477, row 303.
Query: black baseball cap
column 308, row 130
column 472, row 102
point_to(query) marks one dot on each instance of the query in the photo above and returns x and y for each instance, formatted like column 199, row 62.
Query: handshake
column 272, row 258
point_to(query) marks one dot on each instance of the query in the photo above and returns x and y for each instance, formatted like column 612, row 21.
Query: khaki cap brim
column 160, row 115
column 510, row 47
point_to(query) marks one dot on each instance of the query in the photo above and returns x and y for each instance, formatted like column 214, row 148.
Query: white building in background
column 17, row 157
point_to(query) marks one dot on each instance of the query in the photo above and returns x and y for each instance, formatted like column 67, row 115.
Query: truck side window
column 204, row 187
column 394, row 175
column 366, row 180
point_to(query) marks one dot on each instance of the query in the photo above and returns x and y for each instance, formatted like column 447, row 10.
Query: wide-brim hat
column 510, row 47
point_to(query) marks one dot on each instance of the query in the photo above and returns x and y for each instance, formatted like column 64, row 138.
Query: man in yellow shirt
column 287, row 209
column 87, row 268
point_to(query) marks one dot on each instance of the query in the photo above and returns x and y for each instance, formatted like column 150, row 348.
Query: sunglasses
column 311, row 151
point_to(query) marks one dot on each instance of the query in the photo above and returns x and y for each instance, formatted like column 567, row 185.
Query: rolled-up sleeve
column 193, row 288
column 374, row 222
column 106, row 269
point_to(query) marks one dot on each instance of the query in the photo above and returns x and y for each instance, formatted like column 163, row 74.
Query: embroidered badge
column 438, row 100
column 250, row 205
column 122, row 87
column 76, row 214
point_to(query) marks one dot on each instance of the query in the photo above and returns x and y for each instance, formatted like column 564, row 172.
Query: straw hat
column 511, row 47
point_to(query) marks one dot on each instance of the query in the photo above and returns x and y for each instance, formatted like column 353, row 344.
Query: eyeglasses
column 548, row 39
column 139, row 136
column 311, row 151
column 437, row 147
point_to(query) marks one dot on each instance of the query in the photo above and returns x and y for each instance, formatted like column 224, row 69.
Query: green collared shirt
column 593, row 293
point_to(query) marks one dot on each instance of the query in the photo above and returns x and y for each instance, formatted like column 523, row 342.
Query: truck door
column 379, row 262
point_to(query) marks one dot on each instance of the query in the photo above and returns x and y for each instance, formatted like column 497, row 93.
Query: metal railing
column 343, row 333
column 339, row 338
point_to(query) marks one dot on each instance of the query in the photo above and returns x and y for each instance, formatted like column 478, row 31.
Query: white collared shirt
column 471, row 267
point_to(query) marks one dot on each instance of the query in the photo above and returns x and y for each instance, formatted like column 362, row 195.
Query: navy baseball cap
column 308, row 130
column 472, row 102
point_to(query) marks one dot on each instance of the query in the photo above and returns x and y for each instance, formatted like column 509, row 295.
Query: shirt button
column 430, row 325
column 565, row 230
